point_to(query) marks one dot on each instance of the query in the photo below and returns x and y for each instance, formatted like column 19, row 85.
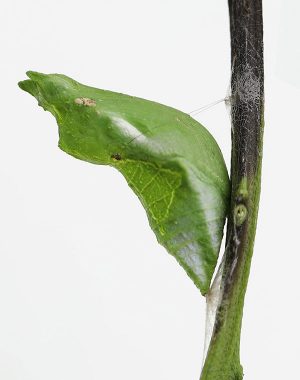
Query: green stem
column 247, row 104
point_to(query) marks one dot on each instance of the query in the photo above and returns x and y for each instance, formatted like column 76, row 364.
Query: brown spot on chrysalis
column 85, row 102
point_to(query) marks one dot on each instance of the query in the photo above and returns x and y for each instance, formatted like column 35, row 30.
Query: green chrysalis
column 170, row 161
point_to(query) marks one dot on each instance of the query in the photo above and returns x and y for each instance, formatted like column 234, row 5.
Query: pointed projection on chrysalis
column 170, row 161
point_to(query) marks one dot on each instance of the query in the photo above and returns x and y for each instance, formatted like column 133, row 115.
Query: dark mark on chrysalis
column 116, row 156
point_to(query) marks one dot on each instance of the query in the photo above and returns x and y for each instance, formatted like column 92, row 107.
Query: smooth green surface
column 171, row 162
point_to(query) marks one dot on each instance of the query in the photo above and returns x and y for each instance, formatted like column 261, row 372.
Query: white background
column 85, row 290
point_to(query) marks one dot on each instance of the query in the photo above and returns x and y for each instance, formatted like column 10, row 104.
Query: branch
column 247, row 107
